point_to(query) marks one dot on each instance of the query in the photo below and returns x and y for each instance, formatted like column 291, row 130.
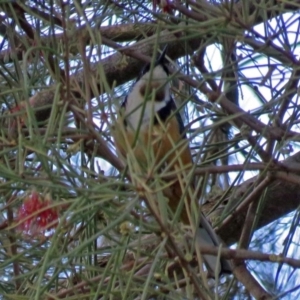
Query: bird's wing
column 182, row 159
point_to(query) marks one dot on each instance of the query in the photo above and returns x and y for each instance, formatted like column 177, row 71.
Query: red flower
column 165, row 5
column 36, row 215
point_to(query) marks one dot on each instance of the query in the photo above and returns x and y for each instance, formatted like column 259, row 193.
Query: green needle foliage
column 78, row 220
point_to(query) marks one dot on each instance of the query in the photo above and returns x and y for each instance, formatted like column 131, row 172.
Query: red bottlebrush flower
column 163, row 4
column 36, row 215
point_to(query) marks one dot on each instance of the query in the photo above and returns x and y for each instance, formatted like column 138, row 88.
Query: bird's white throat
column 140, row 111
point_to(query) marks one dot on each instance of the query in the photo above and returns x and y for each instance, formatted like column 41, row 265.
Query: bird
column 149, row 120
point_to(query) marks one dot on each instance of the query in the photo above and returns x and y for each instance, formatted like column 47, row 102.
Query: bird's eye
column 143, row 90
column 160, row 95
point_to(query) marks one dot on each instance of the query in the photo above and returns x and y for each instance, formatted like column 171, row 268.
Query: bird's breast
column 151, row 143
column 141, row 115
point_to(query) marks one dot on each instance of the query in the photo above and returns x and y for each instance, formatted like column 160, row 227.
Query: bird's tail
column 205, row 234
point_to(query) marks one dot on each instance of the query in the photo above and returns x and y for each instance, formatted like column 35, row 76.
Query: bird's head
column 150, row 93
column 155, row 79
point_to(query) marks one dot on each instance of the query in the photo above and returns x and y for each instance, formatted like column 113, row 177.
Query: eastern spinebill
column 149, row 118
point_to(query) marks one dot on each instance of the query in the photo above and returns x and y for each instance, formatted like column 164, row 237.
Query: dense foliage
column 78, row 221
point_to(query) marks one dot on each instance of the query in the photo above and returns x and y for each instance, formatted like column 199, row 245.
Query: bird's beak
column 161, row 58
